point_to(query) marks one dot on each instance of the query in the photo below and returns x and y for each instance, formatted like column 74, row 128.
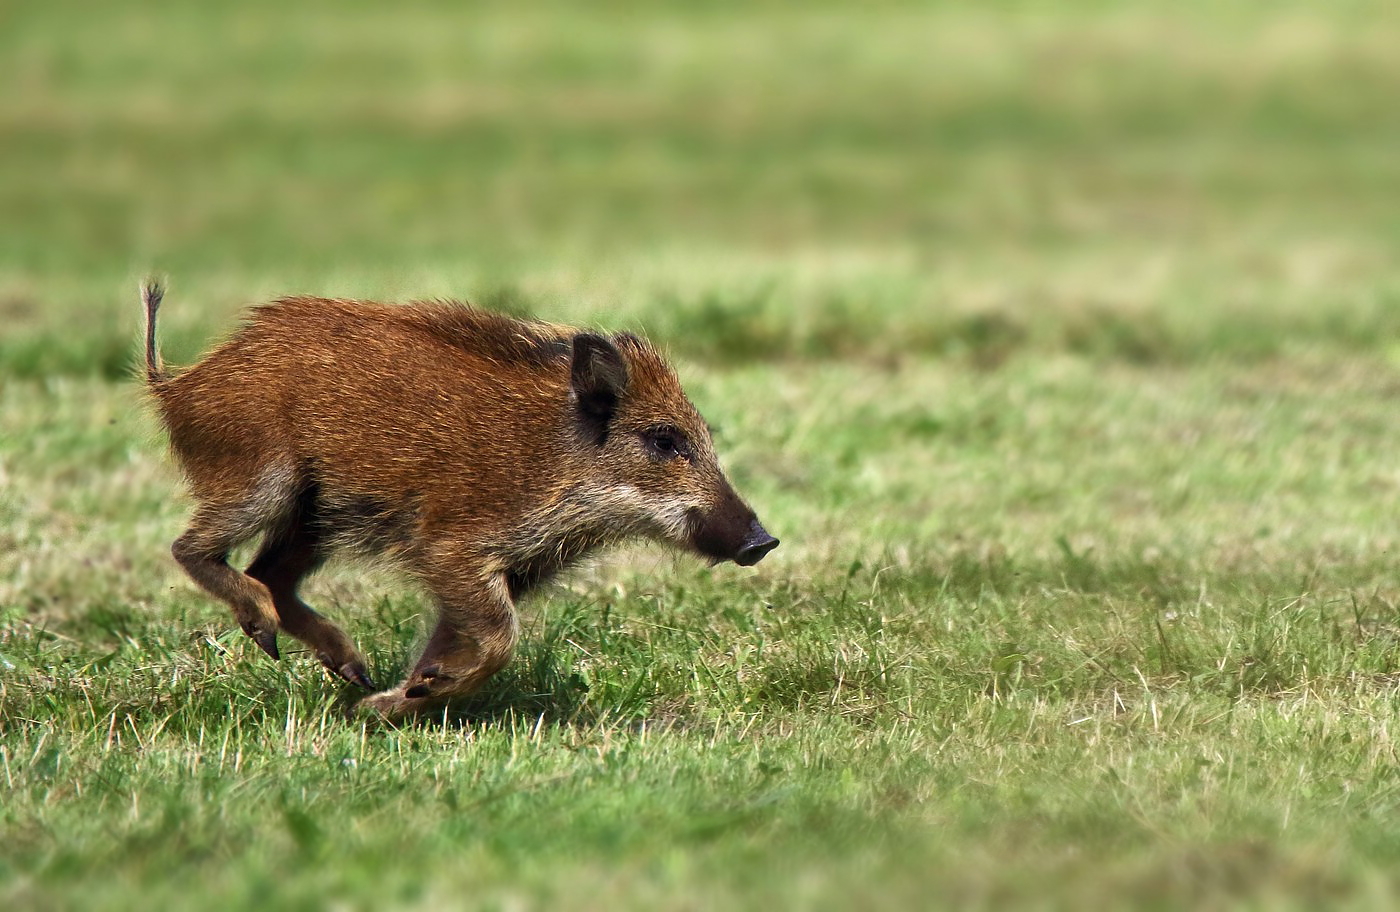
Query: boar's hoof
column 353, row 671
column 264, row 637
column 429, row 682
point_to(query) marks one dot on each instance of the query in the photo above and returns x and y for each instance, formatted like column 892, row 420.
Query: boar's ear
column 599, row 379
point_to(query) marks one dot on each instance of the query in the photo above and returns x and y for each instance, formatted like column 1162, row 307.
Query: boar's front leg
column 474, row 638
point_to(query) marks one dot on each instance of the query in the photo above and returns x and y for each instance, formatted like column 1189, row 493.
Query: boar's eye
column 665, row 443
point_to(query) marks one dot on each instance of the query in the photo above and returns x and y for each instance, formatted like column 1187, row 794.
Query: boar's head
column 656, row 468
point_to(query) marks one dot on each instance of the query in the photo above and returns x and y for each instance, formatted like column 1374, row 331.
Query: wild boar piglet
column 480, row 452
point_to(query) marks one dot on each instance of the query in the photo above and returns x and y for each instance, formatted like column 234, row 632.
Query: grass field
column 1059, row 344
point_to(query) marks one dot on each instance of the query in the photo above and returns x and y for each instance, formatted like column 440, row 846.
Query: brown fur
column 481, row 452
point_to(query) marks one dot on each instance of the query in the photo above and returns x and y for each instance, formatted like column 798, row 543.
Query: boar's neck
column 561, row 531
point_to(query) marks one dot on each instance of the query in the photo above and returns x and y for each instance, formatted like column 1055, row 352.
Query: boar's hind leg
column 473, row 639
column 203, row 551
column 287, row 556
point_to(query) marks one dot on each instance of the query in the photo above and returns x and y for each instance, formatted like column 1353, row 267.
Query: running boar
column 482, row 453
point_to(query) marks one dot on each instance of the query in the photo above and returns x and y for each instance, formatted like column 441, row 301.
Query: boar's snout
column 755, row 546
column 731, row 532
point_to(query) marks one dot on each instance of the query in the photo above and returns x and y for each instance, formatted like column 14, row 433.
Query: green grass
column 1059, row 345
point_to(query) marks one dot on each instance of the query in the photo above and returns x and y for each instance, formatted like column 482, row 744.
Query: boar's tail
column 151, row 293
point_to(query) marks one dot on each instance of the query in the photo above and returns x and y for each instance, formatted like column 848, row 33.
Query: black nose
column 758, row 543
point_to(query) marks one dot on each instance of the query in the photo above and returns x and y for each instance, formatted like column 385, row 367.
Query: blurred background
column 1058, row 342
column 745, row 180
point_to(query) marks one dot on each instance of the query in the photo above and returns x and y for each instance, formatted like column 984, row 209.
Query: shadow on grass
column 537, row 688
column 546, row 682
